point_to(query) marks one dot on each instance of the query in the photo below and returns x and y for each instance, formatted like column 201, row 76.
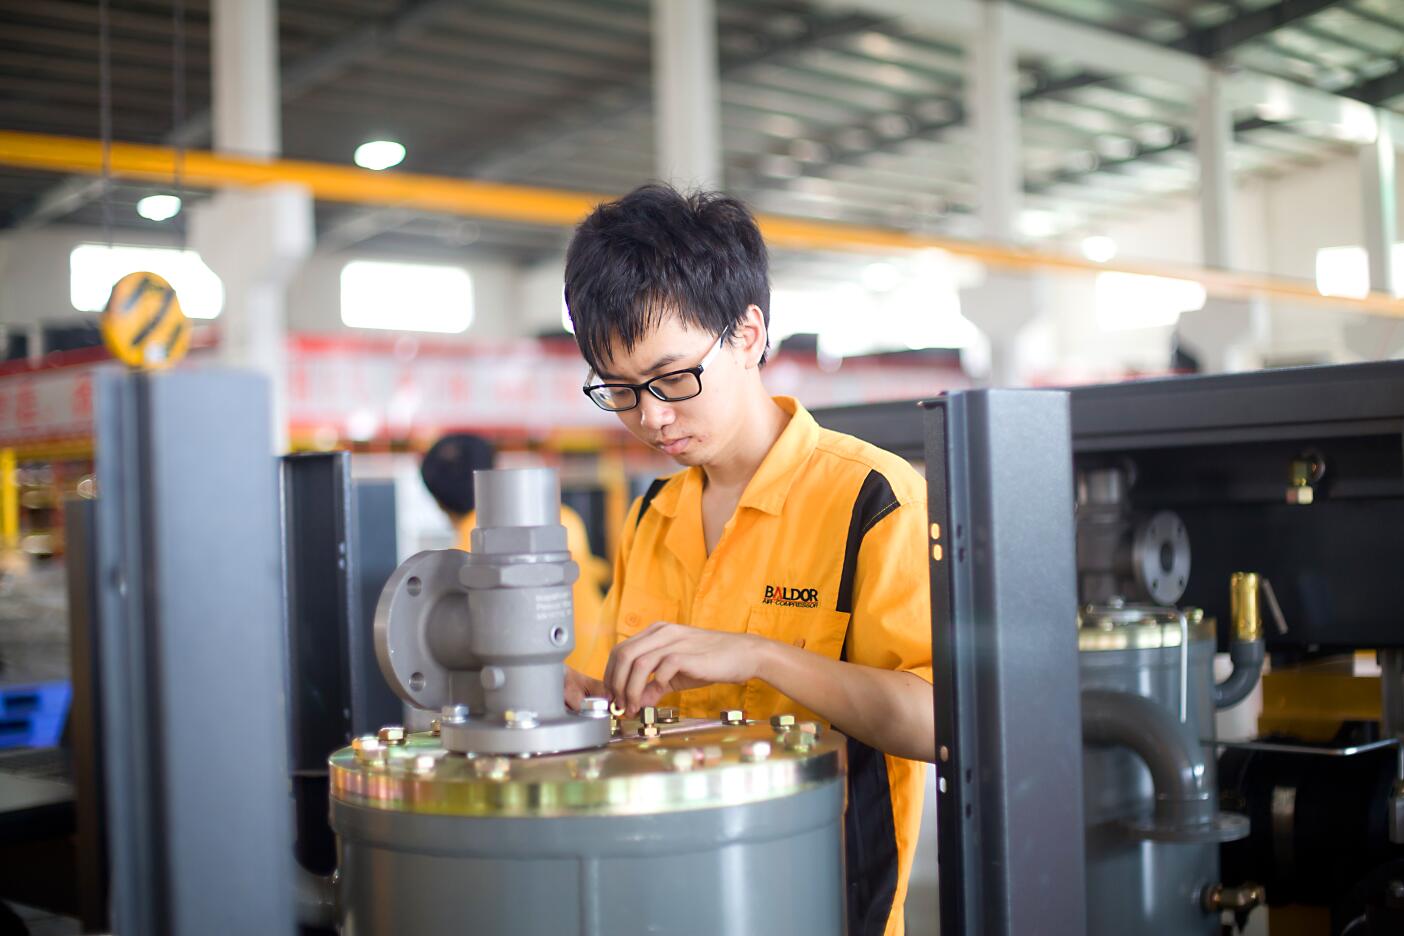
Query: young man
column 784, row 569
column 447, row 471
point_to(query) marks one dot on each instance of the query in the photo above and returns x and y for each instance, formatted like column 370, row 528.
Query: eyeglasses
column 672, row 387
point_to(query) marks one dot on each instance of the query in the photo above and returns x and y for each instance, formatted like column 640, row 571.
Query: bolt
column 435, row 726
column 798, row 740
column 753, row 752
column 454, row 714
column 668, row 715
column 368, row 749
column 594, row 707
column 616, row 709
column 613, row 727
column 733, row 717
column 392, row 734
column 648, row 731
column 649, row 715
column 492, row 768
column 520, row 718
column 780, row 722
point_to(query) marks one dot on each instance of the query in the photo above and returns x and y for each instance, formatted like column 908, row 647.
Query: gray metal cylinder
column 703, row 829
column 517, row 497
column 1135, row 883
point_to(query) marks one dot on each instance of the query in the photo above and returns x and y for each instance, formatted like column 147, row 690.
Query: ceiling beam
column 1214, row 41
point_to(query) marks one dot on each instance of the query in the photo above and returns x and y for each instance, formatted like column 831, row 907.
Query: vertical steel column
column 1213, row 146
column 1004, row 642
column 992, row 101
column 244, row 60
column 1378, row 162
column 686, row 89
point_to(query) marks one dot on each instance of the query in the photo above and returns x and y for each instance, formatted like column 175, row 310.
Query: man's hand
column 578, row 686
column 678, row 657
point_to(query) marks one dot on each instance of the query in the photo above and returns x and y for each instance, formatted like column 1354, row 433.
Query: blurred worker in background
column 784, row 569
column 447, row 471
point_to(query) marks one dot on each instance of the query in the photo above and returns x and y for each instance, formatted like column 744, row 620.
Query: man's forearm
column 887, row 710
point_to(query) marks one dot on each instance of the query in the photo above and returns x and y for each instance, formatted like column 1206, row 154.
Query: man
column 784, row 569
column 447, row 470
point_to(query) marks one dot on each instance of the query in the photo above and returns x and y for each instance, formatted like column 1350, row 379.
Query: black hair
column 448, row 469
column 656, row 251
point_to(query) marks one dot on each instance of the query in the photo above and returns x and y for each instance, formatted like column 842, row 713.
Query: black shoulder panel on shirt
column 648, row 497
column 875, row 500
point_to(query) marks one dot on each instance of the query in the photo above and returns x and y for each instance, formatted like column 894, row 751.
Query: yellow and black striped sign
column 143, row 324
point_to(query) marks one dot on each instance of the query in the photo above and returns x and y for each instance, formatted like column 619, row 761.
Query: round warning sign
column 143, row 325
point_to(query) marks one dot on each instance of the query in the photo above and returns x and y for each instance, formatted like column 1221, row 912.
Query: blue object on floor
column 33, row 715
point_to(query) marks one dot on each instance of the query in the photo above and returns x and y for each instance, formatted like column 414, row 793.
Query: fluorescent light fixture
column 1098, row 249
column 406, row 296
column 1126, row 301
column 159, row 207
column 93, row 269
column 379, row 154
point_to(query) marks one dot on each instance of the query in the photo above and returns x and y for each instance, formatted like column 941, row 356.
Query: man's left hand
column 678, row 657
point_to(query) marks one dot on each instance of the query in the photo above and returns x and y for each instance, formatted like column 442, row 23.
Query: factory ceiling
column 826, row 113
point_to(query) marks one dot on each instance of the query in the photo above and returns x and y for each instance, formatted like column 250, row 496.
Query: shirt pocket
column 639, row 610
column 813, row 629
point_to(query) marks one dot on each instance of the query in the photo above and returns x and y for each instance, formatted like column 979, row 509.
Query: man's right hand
column 578, row 686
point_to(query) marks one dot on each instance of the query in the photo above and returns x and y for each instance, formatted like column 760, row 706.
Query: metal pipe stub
column 490, row 629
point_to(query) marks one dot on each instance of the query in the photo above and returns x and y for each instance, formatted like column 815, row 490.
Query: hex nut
column 454, row 714
column 649, row 715
column 668, row 715
column 733, row 717
column 782, row 721
column 391, row 734
column 368, row 749
column 520, row 718
column 753, row 752
column 436, row 726
column 594, row 707
column 648, row 731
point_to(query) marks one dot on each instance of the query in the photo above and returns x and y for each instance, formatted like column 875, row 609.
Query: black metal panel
column 374, row 555
column 1004, row 599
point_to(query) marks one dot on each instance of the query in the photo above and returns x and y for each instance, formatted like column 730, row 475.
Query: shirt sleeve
column 592, row 662
column 891, row 625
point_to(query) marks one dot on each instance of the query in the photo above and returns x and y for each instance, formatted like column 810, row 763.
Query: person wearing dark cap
column 447, row 470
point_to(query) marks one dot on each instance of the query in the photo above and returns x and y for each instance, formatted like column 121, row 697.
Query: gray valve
column 482, row 637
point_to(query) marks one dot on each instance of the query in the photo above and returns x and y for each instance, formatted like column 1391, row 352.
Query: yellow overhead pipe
column 529, row 205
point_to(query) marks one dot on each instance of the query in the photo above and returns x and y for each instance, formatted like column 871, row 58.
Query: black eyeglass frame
column 638, row 388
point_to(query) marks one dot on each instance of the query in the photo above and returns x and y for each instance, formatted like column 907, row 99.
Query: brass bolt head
column 492, row 768
column 391, row 734
column 733, row 717
column 753, row 752
column 368, row 749
column 613, row 727
column 616, row 709
column 594, row 707
column 436, row 726
column 668, row 715
column 782, row 721
column 648, row 731
column 797, row 740
column 649, row 715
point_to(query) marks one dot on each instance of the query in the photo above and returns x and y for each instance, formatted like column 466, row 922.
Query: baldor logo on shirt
column 791, row 597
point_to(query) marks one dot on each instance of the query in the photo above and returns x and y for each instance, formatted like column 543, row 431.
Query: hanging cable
column 178, row 112
column 105, row 118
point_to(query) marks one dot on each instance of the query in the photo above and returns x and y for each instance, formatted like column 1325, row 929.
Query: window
column 406, row 296
column 94, row 268
column 1345, row 271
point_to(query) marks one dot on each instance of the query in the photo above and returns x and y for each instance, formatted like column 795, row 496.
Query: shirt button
column 799, row 642
column 633, row 619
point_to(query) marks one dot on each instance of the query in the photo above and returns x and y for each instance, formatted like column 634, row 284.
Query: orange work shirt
column 585, row 594
column 826, row 551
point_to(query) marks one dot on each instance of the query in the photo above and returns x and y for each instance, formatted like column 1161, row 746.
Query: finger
column 665, row 679
column 621, row 661
column 638, row 675
column 612, row 665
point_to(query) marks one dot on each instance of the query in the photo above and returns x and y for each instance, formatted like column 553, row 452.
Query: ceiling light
column 1098, row 249
column 158, row 207
column 379, row 154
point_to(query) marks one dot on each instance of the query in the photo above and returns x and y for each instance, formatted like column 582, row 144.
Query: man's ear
column 750, row 335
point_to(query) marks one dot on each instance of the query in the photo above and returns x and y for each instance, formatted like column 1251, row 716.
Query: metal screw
column 649, row 715
column 454, row 714
column 753, row 752
column 368, row 749
column 616, row 709
column 391, row 734
column 492, row 768
column 733, row 717
column 613, row 727
column 520, row 718
column 648, row 731
column 782, row 721
column 594, row 707
column 435, row 726
column 668, row 715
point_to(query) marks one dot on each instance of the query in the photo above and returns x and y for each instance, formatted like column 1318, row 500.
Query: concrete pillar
column 1002, row 307
column 992, row 105
column 1214, row 147
column 687, row 96
column 247, row 112
column 1378, row 193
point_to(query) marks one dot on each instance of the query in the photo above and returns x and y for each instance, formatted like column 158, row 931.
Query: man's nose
column 653, row 412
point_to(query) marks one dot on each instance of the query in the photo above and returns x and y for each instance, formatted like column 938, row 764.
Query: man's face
column 692, row 432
